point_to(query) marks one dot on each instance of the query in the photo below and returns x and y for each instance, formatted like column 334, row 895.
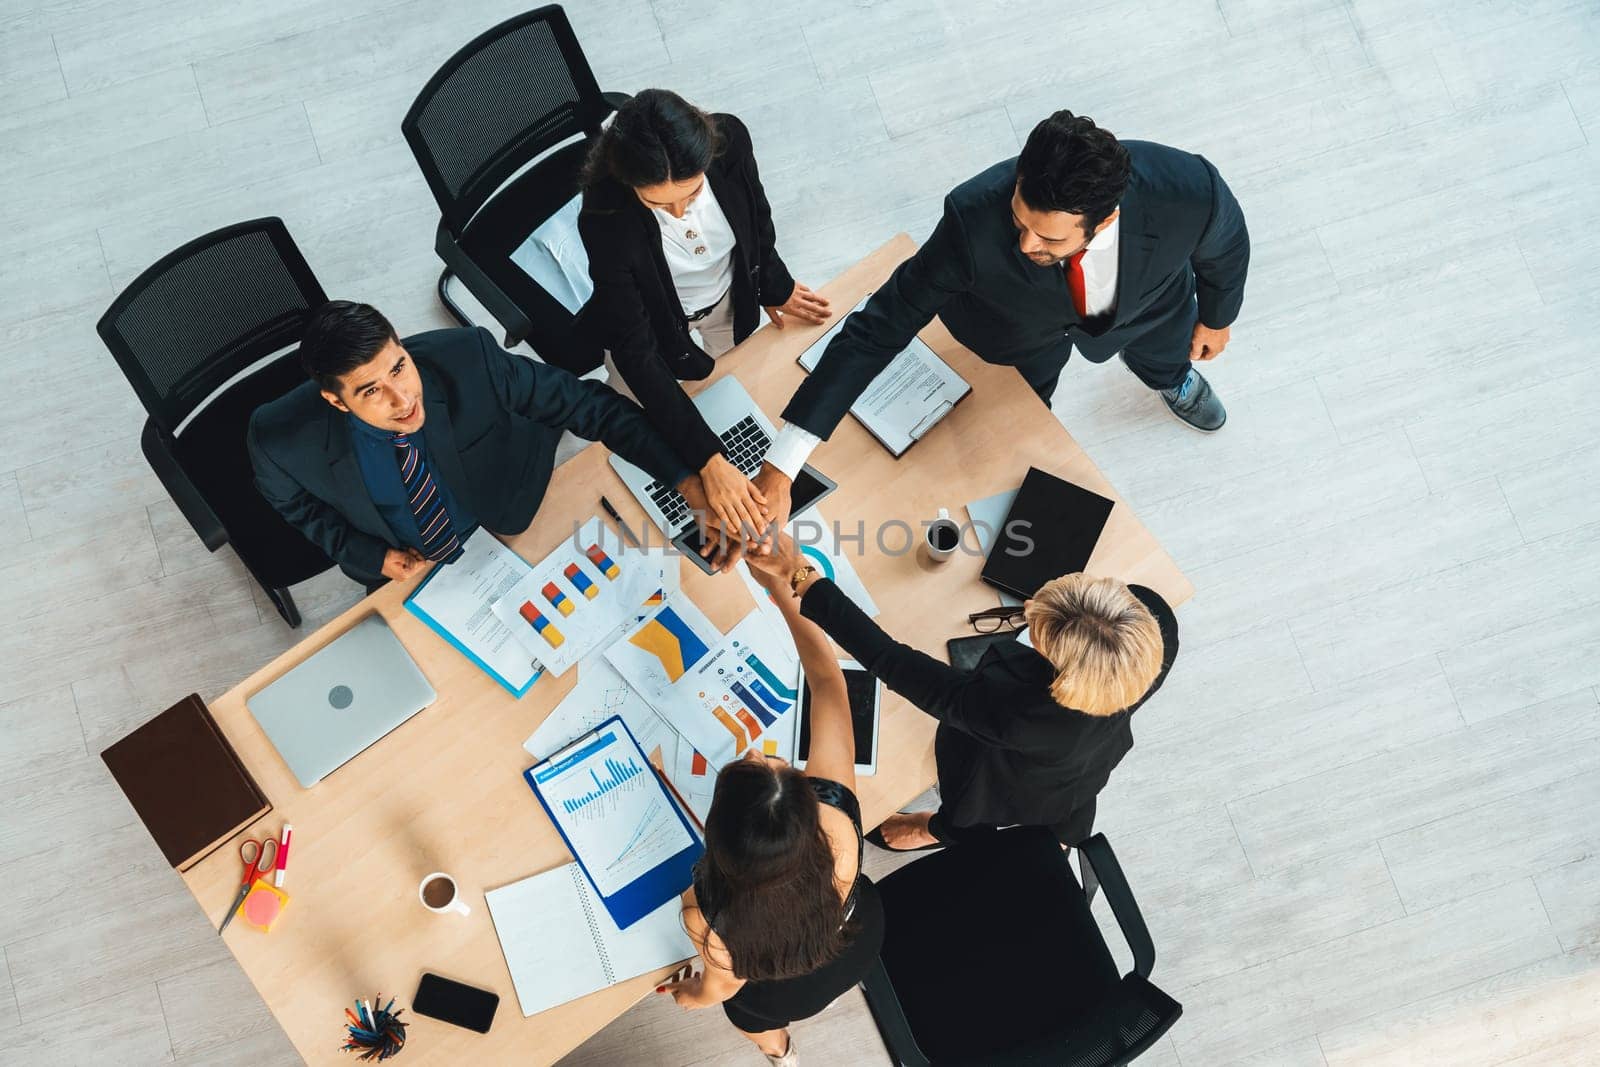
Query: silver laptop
column 746, row 433
column 342, row 699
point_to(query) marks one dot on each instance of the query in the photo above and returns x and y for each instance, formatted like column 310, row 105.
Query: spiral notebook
column 561, row 944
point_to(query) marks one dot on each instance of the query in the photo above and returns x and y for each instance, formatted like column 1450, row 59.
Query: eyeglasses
column 993, row 620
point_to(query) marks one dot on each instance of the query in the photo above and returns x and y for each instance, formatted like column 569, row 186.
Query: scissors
column 258, row 858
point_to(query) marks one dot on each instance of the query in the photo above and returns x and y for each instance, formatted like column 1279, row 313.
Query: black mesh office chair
column 512, row 95
column 183, row 333
column 991, row 957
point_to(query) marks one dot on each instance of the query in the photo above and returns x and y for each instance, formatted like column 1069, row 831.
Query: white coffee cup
column 439, row 894
column 942, row 537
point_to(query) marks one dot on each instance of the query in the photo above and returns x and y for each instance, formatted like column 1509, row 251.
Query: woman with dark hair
column 679, row 236
column 783, row 918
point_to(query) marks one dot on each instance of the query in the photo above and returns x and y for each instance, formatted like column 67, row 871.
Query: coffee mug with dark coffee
column 942, row 538
column 439, row 894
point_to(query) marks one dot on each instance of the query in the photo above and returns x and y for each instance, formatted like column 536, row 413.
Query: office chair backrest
column 509, row 95
column 205, row 312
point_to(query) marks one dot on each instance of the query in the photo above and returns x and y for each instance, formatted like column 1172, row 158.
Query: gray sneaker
column 1196, row 403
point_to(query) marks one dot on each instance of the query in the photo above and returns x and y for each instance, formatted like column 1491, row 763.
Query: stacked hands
column 738, row 517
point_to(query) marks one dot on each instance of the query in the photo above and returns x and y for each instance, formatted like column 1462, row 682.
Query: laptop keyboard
column 745, row 444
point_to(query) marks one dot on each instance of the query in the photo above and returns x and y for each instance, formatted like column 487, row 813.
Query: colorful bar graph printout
column 668, row 638
column 598, row 557
column 749, row 721
column 581, row 581
column 767, row 717
column 543, row 626
column 553, row 593
column 697, row 766
column 785, row 691
column 740, row 742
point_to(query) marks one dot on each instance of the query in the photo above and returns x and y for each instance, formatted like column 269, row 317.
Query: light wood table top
column 445, row 791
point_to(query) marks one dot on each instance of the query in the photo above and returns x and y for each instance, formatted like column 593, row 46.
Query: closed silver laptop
column 339, row 701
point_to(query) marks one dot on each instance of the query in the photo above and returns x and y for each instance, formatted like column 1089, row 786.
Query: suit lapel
column 349, row 487
column 441, row 436
column 1135, row 248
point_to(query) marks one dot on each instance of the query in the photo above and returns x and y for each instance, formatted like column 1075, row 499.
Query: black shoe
column 875, row 837
column 1196, row 403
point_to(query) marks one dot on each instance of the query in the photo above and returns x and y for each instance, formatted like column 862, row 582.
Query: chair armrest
column 481, row 286
column 616, row 100
column 1097, row 856
column 160, row 449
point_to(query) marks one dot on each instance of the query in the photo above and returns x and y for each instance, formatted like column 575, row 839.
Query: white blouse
column 699, row 250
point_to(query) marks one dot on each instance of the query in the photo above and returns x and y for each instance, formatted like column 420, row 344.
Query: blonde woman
column 1030, row 735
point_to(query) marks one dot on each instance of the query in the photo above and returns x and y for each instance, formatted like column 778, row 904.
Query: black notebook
column 1051, row 530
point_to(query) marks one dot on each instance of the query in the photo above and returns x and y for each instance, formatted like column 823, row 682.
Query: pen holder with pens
column 376, row 1032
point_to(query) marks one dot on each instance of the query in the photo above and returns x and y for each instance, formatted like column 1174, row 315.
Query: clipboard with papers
column 630, row 838
column 907, row 398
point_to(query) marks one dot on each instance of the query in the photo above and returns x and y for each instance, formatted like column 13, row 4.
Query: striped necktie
column 427, row 503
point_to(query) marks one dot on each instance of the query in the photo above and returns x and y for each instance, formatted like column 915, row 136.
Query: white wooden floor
column 1361, row 817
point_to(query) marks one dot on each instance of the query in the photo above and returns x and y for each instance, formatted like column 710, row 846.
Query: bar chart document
column 618, row 820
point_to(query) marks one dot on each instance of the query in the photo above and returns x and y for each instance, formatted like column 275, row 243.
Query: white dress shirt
column 699, row 250
column 1099, row 265
column 794, row 444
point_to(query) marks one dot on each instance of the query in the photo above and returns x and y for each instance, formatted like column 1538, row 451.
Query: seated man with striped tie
column 395, row 451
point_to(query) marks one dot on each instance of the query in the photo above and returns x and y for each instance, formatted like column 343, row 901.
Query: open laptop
column 746, row 434
column 342, row 699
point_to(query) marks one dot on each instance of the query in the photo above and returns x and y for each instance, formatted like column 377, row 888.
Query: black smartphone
column 454, row 1003
column 965, row 652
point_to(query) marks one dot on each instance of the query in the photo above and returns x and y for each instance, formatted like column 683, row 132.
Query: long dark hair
column 657, row 136
column 767, row 875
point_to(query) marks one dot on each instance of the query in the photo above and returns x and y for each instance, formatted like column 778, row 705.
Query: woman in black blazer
column 1030, row 735
column 679, row 236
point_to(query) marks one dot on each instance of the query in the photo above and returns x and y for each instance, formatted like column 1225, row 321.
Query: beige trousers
column 716, row 337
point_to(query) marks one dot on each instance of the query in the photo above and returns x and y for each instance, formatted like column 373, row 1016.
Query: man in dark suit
column 1080, row 242
column 396, row 451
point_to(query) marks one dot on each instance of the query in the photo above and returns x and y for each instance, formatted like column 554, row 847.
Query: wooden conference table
column 445, row 791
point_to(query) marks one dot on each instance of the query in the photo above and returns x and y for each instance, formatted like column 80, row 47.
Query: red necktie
column 1074, row 269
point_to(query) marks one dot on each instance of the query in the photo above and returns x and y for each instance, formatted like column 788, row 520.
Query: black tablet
column 1051, row 530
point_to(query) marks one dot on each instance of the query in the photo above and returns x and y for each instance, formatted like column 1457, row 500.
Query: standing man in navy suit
column 1080, row 242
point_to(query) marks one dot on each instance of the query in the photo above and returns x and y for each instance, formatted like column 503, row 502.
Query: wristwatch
column 801, row 574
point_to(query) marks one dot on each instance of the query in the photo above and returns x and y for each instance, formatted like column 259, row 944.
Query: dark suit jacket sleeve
column 776, row 284
column 324, row 527
column 555, row 397
column 957, row 698
column 1167, row 620
column 873, row 336
column 1221, row 259
column 624, row 328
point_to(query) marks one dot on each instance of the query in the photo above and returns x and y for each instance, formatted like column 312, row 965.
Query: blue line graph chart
column 619, row 773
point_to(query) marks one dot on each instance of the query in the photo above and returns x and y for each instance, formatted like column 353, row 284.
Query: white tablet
column 866, row 699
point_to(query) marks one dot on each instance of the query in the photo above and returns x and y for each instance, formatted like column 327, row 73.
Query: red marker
column 283, row 855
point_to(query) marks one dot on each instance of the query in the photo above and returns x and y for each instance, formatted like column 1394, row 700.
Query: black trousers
column 1159, row 356
column 1071, row 830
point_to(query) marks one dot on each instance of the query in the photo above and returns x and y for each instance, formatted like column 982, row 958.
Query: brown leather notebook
column 186, row 782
